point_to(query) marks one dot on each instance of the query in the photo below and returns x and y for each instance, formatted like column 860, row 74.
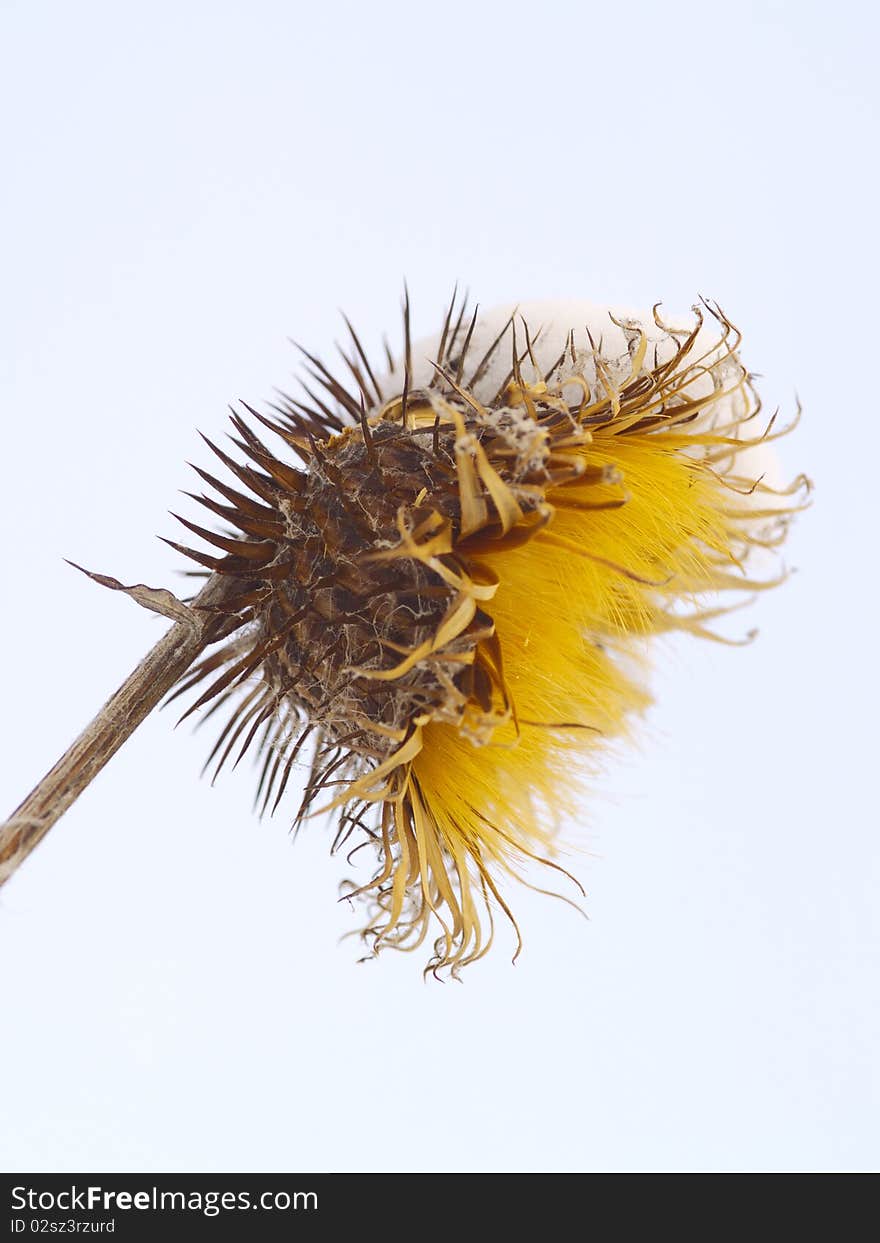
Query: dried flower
column 445, row 601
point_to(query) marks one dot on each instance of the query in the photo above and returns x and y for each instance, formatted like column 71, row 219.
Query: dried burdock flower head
column 434, row 584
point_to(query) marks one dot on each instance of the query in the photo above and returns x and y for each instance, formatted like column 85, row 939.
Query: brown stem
column 117, row 720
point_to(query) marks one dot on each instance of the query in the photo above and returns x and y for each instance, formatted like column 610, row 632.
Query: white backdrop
column 185, row 185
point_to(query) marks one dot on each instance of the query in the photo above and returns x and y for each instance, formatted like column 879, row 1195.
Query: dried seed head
column 444, row 598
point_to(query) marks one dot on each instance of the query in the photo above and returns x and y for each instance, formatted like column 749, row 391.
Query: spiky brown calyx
column 328, row 603
column 361, row 610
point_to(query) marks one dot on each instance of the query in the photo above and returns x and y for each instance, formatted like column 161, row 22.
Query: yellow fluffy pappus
column 446, row 600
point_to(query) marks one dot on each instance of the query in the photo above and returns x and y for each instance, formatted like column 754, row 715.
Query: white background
column 186, row 184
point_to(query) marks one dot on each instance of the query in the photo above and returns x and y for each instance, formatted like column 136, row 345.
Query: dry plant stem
column 118, row 719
